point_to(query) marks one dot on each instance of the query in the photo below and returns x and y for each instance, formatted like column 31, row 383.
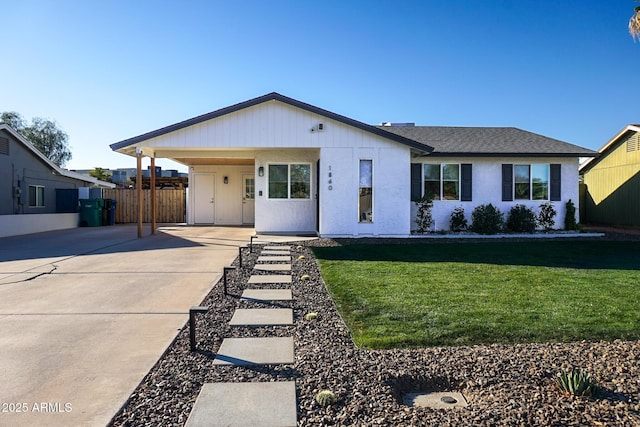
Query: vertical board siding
column 170, row 205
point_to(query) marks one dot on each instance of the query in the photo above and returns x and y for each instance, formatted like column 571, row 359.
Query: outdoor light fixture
column 261, row 171
column 226, row 180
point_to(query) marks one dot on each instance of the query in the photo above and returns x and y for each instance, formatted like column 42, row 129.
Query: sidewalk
column 85, row 313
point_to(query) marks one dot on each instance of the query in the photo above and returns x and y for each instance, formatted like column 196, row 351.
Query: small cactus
column 311, row 316
column 326, row 398
column 298, row 247
column 305, row 277
column 301, row 257
column 576, row 382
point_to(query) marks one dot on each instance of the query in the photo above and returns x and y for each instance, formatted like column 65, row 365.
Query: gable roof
column 488, row 141
column 609, row 146
column 273, row 96
column 55, row 168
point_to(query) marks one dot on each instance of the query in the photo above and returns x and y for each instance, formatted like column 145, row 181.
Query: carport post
column 226, row 269
column 139, row 188
column 153, row 195
column 192, row 323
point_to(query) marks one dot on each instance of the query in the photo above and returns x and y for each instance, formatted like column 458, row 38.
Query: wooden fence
column 170, row 205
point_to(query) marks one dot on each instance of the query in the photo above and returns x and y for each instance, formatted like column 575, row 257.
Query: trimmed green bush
column 570, row 216
column 486, row 219
column 424, row 218
column 521, row 219
column 546, row 216
column 458, row 222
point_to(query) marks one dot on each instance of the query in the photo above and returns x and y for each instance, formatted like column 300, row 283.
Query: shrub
column 424, row 218
column 458, row 222
column 546, row 216
column 576, row 382
column 570, row 216
column 311, row 316
column 521, row 219
column 486, row 219
column 326, row 398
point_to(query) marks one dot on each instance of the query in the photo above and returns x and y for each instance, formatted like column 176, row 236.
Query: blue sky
column 110, row 70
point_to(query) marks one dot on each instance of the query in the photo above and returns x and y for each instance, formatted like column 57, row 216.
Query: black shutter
column 555, row 188
column 507, row 183
column 416, row 181
column 465, row 175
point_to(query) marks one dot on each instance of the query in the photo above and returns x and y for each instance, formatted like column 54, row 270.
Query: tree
column 101, row 174
column 634, row 24
column 44, row 134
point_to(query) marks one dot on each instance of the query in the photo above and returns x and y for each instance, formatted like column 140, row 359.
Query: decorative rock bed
column 504, row 384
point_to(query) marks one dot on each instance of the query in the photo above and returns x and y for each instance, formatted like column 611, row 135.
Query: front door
column 248, row 199
column 204, row 186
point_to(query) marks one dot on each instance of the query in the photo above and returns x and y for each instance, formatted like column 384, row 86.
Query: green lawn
column 416, row 295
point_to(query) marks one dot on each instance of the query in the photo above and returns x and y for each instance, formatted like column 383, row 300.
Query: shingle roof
column 487, row 141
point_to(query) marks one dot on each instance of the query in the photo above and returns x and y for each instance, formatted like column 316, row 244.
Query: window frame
column 289, row 181
column 441, row 181
column 532, row 184
column 39, row 196
column 369, row 219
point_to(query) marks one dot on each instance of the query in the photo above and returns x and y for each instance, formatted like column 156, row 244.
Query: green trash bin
column 91, row 212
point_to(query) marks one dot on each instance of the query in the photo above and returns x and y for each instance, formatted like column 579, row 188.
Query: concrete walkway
column 85, row 313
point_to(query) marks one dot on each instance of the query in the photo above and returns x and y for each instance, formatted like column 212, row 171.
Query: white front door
column 248, row 199
column 204, row 186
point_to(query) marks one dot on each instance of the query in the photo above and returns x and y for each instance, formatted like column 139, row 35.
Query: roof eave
column 511, row 154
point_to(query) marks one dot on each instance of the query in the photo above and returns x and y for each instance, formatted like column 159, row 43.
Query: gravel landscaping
column 504, row 384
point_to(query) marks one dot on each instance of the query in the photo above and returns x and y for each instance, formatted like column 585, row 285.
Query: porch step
column 262, row 317
column 255, row 351
column 245, row 404
column 272, row 267
column 267, row 295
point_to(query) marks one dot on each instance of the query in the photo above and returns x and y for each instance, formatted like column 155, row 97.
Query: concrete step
column 245, row 404
column 267, row 295
column 277, row 247
column 274, row 252
column 269, row 278
column 262, row 317
column 277, row 258
column 255, row 351
column 272, row 267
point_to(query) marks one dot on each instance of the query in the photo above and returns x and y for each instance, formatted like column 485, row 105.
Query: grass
column 416, row 295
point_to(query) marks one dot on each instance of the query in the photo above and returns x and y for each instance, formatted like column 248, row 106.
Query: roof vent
column 397, row 124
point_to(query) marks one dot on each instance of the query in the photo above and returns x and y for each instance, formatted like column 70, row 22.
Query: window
column 249, row 188
column 365, row 192
column 531, row 182
column 290, row 181
column 442, row 182
column 36, row 196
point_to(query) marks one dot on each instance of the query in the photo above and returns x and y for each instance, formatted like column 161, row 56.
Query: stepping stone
column 255, row 351
column 278, row 248
column 262, row 317
column 270, row 278
column 274, row 259
column 245, row 404
column 267, row 294
column 272, row 267
column 270, row 253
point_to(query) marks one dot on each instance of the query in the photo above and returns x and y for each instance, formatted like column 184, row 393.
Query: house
column 285, row 166
column 31, row 184
column 612, row 181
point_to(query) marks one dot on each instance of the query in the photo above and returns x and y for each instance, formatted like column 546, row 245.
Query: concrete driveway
column 85, row 314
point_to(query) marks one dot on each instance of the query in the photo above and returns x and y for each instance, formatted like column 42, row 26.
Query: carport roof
column 273, row 96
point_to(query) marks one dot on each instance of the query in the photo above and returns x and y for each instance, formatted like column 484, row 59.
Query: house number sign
column 330, row 180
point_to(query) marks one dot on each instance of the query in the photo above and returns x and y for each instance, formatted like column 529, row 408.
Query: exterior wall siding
column 486, row 188
column 613, row 188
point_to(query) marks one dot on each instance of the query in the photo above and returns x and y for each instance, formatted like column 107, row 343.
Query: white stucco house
column 285, row 166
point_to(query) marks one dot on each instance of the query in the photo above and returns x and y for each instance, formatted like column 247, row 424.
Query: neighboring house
column 290, row 167
column 29, row 180
column 612, row 181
